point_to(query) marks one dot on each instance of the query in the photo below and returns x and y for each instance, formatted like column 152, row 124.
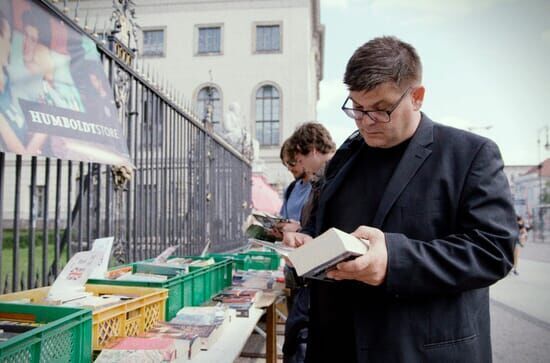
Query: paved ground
column 520, row 308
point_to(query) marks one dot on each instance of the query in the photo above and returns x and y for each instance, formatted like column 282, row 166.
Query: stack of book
column 204, row 321
column 257, row 279
column 203, row 263
column 142, row 277
column 148, row 348
column 181, row 339
column 239, row 299
column 98, row 302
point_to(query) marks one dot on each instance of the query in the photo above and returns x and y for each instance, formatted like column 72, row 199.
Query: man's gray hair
column 381, row 60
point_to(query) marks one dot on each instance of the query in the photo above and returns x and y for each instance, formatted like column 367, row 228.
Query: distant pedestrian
column 522, row 239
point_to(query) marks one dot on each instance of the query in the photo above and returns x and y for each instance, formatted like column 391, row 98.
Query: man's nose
column 365, row 120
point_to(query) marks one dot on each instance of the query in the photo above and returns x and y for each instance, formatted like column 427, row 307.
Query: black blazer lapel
column 413, row 158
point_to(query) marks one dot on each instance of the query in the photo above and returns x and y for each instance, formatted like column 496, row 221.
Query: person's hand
column 369, row 268
column 291, row 226
column 295, row 239
column 280, row 228
column 275, row 233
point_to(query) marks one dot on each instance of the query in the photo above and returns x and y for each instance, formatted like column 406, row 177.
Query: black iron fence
column 189, row 188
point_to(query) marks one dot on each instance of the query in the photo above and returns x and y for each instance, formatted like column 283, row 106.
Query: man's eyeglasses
column 375, row 115
column 291, row 163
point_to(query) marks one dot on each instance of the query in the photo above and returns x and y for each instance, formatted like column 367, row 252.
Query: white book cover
column 105, row 246
column 69, row 285
column 325, row 251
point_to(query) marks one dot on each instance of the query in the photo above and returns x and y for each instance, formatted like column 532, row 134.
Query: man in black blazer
column 436, row 207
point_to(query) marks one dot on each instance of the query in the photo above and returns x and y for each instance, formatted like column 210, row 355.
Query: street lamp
column 546, row 145
column 539, row 167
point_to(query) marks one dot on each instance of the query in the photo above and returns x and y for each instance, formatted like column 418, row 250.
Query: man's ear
column 418, row 97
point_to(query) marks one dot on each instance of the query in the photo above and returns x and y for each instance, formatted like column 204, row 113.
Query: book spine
column 330, row 263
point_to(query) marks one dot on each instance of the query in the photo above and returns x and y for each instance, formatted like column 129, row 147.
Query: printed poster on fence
column 55, row 99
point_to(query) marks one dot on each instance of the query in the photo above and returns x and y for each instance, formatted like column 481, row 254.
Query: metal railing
column 189, row 187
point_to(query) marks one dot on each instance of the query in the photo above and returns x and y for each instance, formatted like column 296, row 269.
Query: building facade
column 524, row 185
column 258, row 60
column 531, row 195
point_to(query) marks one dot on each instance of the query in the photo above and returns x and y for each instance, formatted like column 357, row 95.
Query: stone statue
column 232, row 124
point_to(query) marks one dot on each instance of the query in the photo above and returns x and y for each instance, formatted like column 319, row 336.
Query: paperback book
column 314, row 258
column 201, row 315
column 260, row 225
column 141, row 349
column 206, row 334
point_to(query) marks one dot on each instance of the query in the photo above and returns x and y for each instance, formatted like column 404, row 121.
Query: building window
column 209, row 40
column 209, row 95
column 153, row 43
column 268, row 38
column 267, row 115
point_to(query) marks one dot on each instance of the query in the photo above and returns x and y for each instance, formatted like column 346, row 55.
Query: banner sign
column 55, row 99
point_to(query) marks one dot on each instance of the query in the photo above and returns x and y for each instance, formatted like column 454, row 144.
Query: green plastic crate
column 191, row 289
column 65, row 337
column 219, row 276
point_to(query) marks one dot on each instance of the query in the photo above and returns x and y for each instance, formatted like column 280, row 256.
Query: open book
column 260, row 225
column 314, row 258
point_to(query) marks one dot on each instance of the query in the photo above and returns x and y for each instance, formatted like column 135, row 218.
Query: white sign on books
column 69, row 285
column 105, row 246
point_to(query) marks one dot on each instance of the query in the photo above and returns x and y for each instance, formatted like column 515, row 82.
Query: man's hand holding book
column 369, row 268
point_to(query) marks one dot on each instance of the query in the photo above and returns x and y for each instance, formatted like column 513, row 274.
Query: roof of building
column 544, row 168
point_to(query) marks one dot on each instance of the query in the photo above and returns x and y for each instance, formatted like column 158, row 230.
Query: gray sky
column 486, row 63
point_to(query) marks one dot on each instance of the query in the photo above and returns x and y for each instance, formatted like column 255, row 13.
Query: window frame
column 198, row 27
column 220, row 94
column 279, row 121
column 255, row 26
column 165, row 34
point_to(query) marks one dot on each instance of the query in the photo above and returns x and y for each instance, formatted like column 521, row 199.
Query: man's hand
column 295, row 239
column 369, row 268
